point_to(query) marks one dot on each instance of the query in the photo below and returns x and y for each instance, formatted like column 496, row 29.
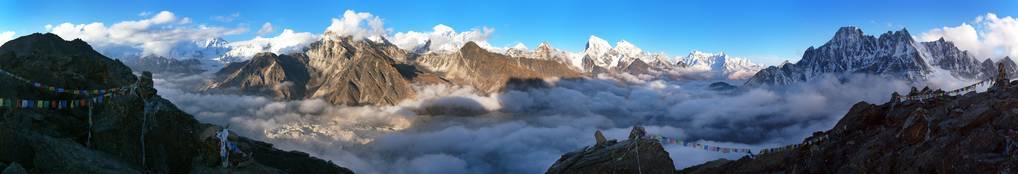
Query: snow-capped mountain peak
column 849, row 33
column 893, row 54
column 206, row 49
column 520, row 46
column 596, row 46
column 628, row 49
column 544, row 45
column 721, row 65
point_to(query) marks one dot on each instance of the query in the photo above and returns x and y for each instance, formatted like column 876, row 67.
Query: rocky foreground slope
column 121, row 138
column 970, row 133
column 638, row 154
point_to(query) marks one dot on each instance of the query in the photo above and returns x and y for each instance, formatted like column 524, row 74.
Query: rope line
column 54, row 89
column 86, row 97
column 639, row 169
column 922, row 97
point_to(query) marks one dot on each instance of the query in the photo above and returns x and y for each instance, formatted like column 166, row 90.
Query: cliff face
column 131, row 132
column 970, row 133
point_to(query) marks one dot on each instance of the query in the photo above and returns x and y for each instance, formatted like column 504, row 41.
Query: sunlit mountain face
column 508, row 87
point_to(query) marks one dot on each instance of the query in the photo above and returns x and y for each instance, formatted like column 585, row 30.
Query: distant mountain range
column 892, row 54
column 348, row 70
column 598, row 57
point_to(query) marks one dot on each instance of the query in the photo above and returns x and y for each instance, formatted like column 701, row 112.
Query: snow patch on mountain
column 286, row 42
column 721, row 65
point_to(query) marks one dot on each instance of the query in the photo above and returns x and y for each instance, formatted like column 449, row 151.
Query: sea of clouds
column 452, row 129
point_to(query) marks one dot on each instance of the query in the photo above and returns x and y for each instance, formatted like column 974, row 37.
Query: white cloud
column 266, row 29
column 286, row 42
column 153, row 36
column 358, row 25
column 989, row 36
column 361, row 25
column 443, row 38
column 6, row 36
column 227, row 18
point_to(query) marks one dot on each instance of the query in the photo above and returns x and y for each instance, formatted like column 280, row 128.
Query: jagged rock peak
column 900, row 35
column 596, row 46
column 848, row 32
column 470, row 46
column 544, row 45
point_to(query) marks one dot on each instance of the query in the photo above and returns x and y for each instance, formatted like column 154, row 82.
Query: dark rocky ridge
column 54, row 141
column 638, row 154
column 970, row 133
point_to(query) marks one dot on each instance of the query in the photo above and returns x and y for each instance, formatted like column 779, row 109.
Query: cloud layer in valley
column 988, row 36
column 526, row 131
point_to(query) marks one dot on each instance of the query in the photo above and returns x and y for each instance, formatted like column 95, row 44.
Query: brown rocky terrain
column 344, row 70
column 121, row 138
column 490, row 72
column 281, row 76
column 969, row 133
column 638, row 154
column 341, row 70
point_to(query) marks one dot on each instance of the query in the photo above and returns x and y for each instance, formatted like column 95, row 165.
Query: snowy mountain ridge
column 893, row 54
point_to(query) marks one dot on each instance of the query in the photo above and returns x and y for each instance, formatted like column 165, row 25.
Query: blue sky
column 765, row 31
